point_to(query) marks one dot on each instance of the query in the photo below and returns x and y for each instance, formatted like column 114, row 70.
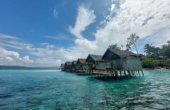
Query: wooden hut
column 85, row 66
column 102, row 65
column 68, row 66
column 74, row 65
column 62, row 66
column 91, row 60
column 80, row 62
column 123, row 60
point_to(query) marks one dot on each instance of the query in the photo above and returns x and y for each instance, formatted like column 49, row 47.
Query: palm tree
column 122, row 47
column 131, row 41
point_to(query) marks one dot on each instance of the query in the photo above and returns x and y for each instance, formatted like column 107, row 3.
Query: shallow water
column 53, row 90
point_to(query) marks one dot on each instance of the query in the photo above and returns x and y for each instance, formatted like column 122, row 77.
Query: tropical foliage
column 111, row 64
column 154, row 56
column 115, row 46
column 131, row 41
column 152, row 51
column 150, row 63
column 166, row 49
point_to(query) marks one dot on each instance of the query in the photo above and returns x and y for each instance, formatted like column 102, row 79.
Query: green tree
column 166, row 49
column 150, row 63
column 147, row 50
column 152, row 51
column 131, row 41
column 111, row 64
column 114, row 46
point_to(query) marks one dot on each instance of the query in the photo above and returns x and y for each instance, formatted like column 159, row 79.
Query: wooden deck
column 118, row 73
column 110, row 73
column 81, row 71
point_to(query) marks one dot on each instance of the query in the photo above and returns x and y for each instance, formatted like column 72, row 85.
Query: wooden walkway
column 110, row 73
column 118, row 73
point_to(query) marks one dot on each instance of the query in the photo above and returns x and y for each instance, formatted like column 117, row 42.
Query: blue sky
column 48, row 33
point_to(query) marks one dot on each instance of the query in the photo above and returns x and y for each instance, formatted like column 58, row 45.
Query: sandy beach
column 42, row 71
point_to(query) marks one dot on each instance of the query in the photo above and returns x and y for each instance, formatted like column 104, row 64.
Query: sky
column 46, row 33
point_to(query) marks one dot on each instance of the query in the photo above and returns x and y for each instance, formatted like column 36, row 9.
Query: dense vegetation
column 152, row 56
column 156, row 56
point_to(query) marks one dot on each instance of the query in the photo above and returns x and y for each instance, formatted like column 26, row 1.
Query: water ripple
column 67, row 91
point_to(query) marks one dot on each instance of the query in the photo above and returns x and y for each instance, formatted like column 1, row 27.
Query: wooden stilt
column 138, row 73
column 129, row 73
column 120, row 74
column 134, row 73
column 142, row 72
column 125, row 72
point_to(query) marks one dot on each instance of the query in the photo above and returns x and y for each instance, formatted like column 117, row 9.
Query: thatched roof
column 93, row 58
column 124, row 53
column 62, row 65
column 96, row 57
column 113, row 54
column 81, row 60
column 68, row 63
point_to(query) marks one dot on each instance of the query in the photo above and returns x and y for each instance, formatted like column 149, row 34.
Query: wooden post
column 134, row 73
column 129, row 73
column 142, row 72
column 116, row 73
column 120, row 74
column 125, row 72
column 138, row 73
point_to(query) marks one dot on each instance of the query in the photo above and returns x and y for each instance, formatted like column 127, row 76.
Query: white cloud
column 12, row 42
column 55, row 13
column 9, row 59
column 85, row 44
column 13, row 58
column 84, row 18
column 44, row 43
column 112, row 7
column 60, row 37
column 50, row 46
column 147, row 18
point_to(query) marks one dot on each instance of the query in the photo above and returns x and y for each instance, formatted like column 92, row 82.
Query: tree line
column 156, row 56
column 152, row 56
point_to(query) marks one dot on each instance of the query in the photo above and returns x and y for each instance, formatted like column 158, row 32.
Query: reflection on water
column 61, row 90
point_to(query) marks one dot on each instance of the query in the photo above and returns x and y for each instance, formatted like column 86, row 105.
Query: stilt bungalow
column 68, row 66
column 80, row 62
column 123, row 60
column 103, row 65
column 62, row 66
column 85, row 66
column 91, row 60
column 74, row 65
column 122, row 63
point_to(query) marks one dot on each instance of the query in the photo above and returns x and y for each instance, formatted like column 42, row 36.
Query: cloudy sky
column 48, row 33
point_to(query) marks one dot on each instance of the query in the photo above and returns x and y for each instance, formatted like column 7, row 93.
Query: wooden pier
column 79, row 71
column 117, row 73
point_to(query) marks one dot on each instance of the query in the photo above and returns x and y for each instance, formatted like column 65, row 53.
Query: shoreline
column 42, row 71
column 155, row 69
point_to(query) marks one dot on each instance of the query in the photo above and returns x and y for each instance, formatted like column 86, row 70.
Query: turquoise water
column 55, row 90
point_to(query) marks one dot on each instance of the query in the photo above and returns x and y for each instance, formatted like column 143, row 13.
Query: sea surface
column 56, row 90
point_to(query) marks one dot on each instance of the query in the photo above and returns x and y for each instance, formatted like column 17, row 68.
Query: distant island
column 24, row 67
